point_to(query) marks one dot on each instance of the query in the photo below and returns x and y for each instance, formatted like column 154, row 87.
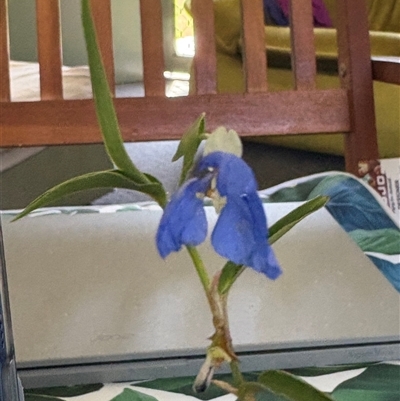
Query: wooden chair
column 350, row 109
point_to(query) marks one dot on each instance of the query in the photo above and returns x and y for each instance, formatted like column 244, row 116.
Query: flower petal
column 263, row 257
column 258, row 217
column 240, row 235
column 233, row 236
column 234, row 177
column 264, row 261
column 184, row 221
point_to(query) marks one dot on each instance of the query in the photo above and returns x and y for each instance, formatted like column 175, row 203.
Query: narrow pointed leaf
column 189, row 144
column 287, row 222
column 291, row 387
column 153, row 188
column 230, row 272
column 101, row 179
column 105, row 110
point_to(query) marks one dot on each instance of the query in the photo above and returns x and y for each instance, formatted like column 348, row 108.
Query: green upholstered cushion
column 384, row 15
column 382, row 43
column 227, row 25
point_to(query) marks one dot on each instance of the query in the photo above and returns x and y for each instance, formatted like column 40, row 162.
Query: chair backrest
column 305, row 109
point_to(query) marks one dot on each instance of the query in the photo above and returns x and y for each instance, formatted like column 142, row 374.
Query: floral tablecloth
column 357, row 207
column 369, row 222
column 377, row 382
column 359, row 210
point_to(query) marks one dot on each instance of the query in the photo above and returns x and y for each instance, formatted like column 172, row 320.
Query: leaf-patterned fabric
column 378, row 382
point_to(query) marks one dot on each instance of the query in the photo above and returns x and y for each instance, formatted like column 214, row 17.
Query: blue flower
column 240, row 234
column 184, row 221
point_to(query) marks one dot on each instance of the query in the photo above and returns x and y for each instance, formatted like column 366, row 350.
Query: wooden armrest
column 386, row 69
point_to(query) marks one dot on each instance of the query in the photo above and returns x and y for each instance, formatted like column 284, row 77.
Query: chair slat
column 280, row 112
column 386, row 69
column 49, row 48
column 152, row 45
column 101, row 12
column 303, row 47
column 255, row 61
column 4, row 53
column 205, row 59
column 355, row 71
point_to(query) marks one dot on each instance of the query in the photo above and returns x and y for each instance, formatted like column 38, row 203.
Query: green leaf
column 269, row 396
column 296, row 193
column 153, row 188
column 376, row 383
column 257, row 392
column 70, row 391
column 105, row 110
column 289, row 386
column 34, row 397
column 385, row 240
column 230, row 272
column 287, row 222
column 189, row 144
column 365, row 395
column 131, row 395
column 326, row 184
column 326, row 370
column 100, row 179
column 248, row 390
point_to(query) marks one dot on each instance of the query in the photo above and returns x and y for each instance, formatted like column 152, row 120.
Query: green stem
column 200, row 268
column 236, row 373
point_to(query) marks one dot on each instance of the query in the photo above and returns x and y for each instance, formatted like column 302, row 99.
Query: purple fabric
column 275, row 12
column 320, row 13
